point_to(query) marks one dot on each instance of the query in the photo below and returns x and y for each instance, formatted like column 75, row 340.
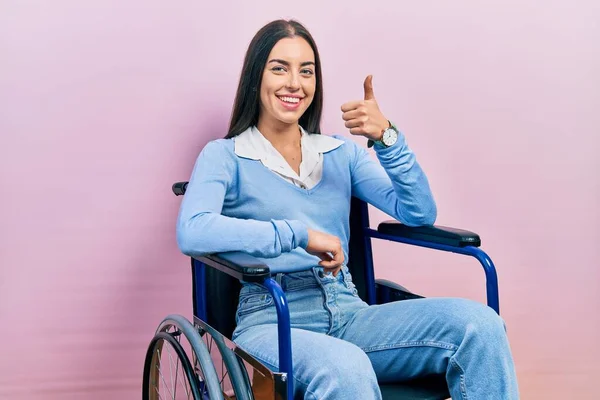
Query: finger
column 359, row 130
column 356, row 113
column 355, row 123
column 338, row 256
column 351, row 105
column 336, row 263
column 368, row 86
column 328, row 264
column 333, row 270
column 325, row 256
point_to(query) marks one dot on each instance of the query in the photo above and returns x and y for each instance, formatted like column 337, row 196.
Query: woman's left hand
column 364, row 117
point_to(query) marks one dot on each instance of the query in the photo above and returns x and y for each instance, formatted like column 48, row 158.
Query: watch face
column 389, row 137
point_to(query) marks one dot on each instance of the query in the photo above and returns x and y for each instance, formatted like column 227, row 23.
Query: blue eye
column 278, row 69
column 307, row 72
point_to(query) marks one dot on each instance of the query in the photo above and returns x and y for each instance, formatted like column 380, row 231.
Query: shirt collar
column 253, row 145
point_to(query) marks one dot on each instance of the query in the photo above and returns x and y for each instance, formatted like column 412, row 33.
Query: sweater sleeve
column 396, row 185
column 201, row 229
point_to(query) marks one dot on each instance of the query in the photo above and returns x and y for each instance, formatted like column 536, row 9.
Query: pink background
column 104, row 104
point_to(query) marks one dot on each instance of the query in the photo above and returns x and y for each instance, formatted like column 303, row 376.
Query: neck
column 280, row 134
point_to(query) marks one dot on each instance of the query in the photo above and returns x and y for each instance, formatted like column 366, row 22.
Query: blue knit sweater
column 237, row 204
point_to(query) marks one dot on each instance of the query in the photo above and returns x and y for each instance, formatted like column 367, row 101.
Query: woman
column 279, row 190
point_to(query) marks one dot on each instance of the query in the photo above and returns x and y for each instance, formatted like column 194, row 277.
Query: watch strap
column 371, row 142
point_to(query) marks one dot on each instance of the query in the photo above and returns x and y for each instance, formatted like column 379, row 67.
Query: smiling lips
column 290, row 102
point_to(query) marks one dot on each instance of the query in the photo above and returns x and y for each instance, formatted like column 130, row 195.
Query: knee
column 353, row 362
column 479, row 320
column 349, row 375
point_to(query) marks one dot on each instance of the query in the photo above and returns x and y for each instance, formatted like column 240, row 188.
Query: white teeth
column 293, row 100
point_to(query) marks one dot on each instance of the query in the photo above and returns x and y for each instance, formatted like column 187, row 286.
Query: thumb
column 369, row 88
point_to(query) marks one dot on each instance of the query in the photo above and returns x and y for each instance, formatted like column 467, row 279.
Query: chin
column 290, row 118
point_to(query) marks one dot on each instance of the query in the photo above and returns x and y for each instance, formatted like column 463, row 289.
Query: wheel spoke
column 223, row 375
column 176, row 374
column 176, row 333
column 200, row 374
column 163, row 379
column 210, row 342
column 187, row 388
column 174, row 383
column 185, row 379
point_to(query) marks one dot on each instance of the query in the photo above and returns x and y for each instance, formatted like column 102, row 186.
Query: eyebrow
column 276, row 60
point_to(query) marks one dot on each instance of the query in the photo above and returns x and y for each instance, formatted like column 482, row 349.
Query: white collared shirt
column 252, row 144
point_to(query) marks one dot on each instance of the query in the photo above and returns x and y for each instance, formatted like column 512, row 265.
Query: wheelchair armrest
column 179, row 188
column 238, row 265
column 434, row 234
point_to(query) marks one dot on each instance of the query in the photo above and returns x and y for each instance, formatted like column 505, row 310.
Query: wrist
column 389, row 136
column 300, row 233
column 383, row 126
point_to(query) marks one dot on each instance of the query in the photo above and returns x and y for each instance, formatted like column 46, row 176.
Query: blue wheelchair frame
column 246, row 267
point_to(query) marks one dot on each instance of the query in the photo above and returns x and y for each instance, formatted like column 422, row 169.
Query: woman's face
column 288, row 82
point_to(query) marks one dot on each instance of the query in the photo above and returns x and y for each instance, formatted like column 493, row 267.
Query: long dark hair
column 247, row 99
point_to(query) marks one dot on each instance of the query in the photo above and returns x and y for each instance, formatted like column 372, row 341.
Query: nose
column 293, row 81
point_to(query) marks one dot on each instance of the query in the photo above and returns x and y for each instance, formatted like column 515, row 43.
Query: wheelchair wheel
column 169, row 377
column 161, row 372
column 233, row 373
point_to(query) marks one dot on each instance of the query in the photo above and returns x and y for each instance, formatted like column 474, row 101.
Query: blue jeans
column 342, row 347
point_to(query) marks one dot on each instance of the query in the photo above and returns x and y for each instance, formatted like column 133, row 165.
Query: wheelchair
column 197, row 360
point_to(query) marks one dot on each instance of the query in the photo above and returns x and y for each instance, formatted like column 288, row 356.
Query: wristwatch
column 389, row 137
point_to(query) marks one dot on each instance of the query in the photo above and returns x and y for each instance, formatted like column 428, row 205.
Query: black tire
column 150, row 364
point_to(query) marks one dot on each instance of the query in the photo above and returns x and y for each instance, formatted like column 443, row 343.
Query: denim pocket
column 254, row 302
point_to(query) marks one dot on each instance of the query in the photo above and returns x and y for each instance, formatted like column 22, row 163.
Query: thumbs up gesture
column 364, row 117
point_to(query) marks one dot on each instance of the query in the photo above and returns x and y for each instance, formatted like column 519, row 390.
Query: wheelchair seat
column 429, row 388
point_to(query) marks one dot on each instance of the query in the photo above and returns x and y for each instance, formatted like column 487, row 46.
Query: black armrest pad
column 179, row 188
column 433, row 234
column 239, row 265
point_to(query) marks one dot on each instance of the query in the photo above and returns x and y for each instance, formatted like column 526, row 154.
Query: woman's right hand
column 328, row 248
